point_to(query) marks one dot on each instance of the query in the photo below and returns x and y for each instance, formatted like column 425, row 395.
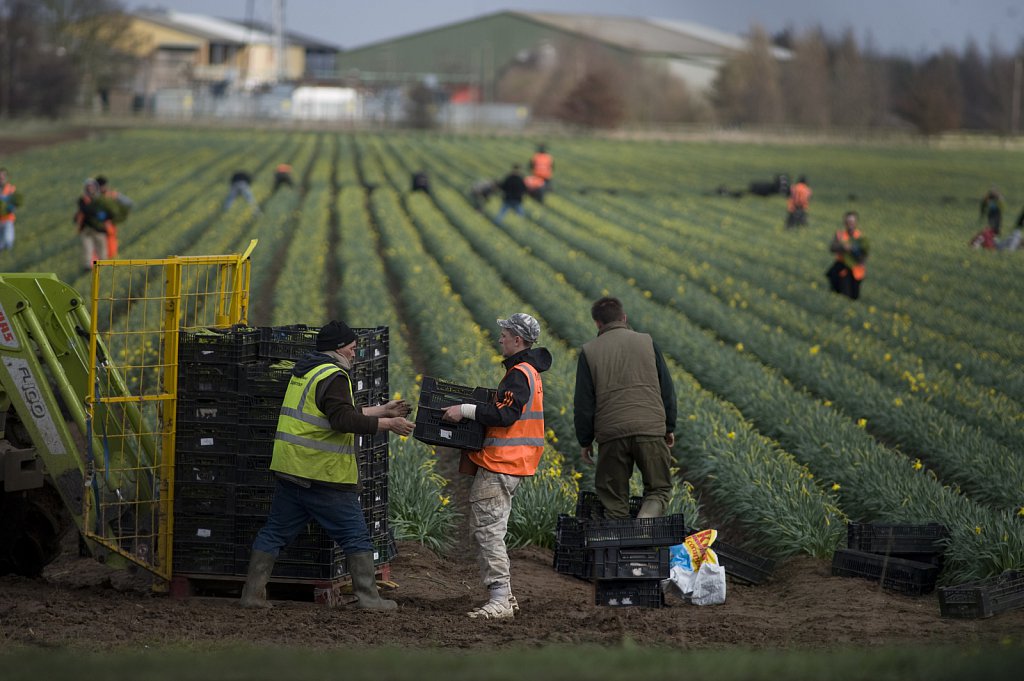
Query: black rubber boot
column 364, row 583
column 254, row 593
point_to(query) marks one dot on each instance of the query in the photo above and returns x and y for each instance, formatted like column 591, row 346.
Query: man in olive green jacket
column 626, row 402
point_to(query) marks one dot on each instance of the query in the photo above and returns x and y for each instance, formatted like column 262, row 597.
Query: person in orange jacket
column 121, row 205
column 513, row 444
column 282, row 176
column 850, row 247
column 542, row 165
column 10, row 200
column 799, row 200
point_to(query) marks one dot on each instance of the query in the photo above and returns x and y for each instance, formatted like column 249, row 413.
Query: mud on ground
column 81, row 603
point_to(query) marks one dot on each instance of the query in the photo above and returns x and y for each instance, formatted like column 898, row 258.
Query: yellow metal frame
column 196, row 292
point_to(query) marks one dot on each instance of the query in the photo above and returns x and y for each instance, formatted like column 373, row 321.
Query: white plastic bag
column 709, row 585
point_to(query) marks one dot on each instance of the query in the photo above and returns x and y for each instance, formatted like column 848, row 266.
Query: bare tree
column 595, row 102
column 805, row 81
column 747, row 88
column 851, row 87
column 935, row 100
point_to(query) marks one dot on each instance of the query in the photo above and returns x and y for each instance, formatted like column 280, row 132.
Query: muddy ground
column 80, row 603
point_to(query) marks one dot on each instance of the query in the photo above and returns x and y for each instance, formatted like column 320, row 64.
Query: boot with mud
column 254, row 593
column 364, row 583
column 651, row 508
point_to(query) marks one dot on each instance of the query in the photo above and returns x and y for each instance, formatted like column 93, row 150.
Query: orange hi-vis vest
column 7, row 190
column 283, row 168
column 856, row 269
column 516, row 450
column 533, row 182
column 541, row 165
column 799, row 196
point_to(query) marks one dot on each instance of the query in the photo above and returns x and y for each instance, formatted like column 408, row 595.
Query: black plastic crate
column 209, row 409
column 200, row 377
column 214, row 439
column 204, row 558
column 254, row 471
column 294, row 341
column 888, row 538
column 639, row 562
column 588, row 506
column 369, row 374
column 440, row 394
column 910, row 577
column 371, row 343
column 367, row 442
column 203, row 528
column 259, row 413
column 983, row 598
column 373, row 462
column 664, row 531
column 253, row 500
column 203, row 498
column 743, row 565
column 571, row 556
column 623, row 593
column 265, row 377
column 431, row 430
column 219, row 346
column 256, row 448
column 204, row 467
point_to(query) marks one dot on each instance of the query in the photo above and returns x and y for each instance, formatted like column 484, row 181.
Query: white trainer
column 494, row 609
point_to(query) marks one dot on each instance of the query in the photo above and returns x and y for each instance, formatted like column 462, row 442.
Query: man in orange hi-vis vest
column 850, row 247
column 542, row 165
column 799, row 200
column 513, row 444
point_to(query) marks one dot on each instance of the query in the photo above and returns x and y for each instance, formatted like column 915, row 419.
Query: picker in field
column 282, row 177
column 991, row 209
column 92, row 218
column 316, row 469
column 799, row 201
column 542, row 165
column 120, row 206
column 481, row 192
column 513, row 189
column 10, row 200
column 626, row 402
column 241, row 185
column 513, row 444
column 850, row 247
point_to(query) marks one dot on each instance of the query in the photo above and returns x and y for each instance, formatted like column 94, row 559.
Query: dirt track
column 80, row 603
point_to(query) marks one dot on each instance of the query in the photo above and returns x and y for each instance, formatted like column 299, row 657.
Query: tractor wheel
column 32, row 524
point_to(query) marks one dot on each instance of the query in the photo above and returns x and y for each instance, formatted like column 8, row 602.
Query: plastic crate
column 639, row 562
column 287, row 342
column 926, row 539
column 373, row 462
column 743, row 565
column 371, row 343
column 203, row 498
column 571, row 556
column 370, row 374
column 254, row 500
column 254, row 471
column 909, row 577
column 259, row 413
column 664, row 531
column 209, row 409
column 204, row 558
column 199, row 377
column 983, row 598
column 465, row 434
column 197, row 528
column 623, row 593
column 264, row 378
column 440, row 394
column 588, row 506
column 204, row 467
column 214, row 439
column 219, row 346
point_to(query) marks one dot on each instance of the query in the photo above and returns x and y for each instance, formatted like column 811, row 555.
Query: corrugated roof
column 206, row 27
column 658, row 36
column 292, row 37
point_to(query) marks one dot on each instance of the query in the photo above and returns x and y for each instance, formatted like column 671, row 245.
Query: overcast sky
column 906, row 27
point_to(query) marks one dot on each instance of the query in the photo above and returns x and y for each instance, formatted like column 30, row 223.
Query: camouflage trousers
column 490, row 504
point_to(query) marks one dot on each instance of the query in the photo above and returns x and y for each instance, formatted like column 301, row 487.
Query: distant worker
column 481, row 192
column 282, row 176
column 513, row 189
column 421, row 182
column 317, row 474
column 10, row 201
column 121, row 206
column 799, row 200
column 535, row 187
column 991, row 209
column 92, row 218
column 850, row 247
column 542, row 165
column 625, row 402
column 241, row 185
column 513, row 445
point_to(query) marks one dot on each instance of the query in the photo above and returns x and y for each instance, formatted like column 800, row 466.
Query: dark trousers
column 842, row 281
column 338, row 512
column 615, row 461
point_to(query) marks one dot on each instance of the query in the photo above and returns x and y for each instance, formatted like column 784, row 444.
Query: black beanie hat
column 334, row 335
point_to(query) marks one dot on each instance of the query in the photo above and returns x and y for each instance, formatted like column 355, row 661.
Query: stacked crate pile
column 903, row 558
column 231, row 385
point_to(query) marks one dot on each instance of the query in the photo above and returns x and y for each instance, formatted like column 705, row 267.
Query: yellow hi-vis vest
column 305, row 445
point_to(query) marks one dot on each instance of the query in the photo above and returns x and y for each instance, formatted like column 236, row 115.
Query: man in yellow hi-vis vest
column 316, row 468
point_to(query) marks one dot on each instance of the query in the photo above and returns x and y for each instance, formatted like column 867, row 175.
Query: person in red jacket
column 513, row 444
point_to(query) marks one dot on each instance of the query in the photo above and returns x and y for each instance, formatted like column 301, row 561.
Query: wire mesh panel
column 140, row 309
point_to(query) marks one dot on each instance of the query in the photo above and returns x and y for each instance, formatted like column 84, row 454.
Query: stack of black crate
column 626, row 558
column 231, row 385
column 903, row 558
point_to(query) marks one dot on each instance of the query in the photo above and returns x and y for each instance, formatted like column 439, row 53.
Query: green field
column 799, row 409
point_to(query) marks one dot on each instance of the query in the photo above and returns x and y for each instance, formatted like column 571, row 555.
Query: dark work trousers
column 615, row 461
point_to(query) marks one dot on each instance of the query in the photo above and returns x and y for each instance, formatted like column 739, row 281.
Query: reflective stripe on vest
column 516, row 449
column 305, row 444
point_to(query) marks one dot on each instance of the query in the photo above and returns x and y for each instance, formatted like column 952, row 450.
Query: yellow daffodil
column 835, row 487
column 739, row 347
column 863, row 423
column 731, row 435
column 918, row 465
column 815, row 349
